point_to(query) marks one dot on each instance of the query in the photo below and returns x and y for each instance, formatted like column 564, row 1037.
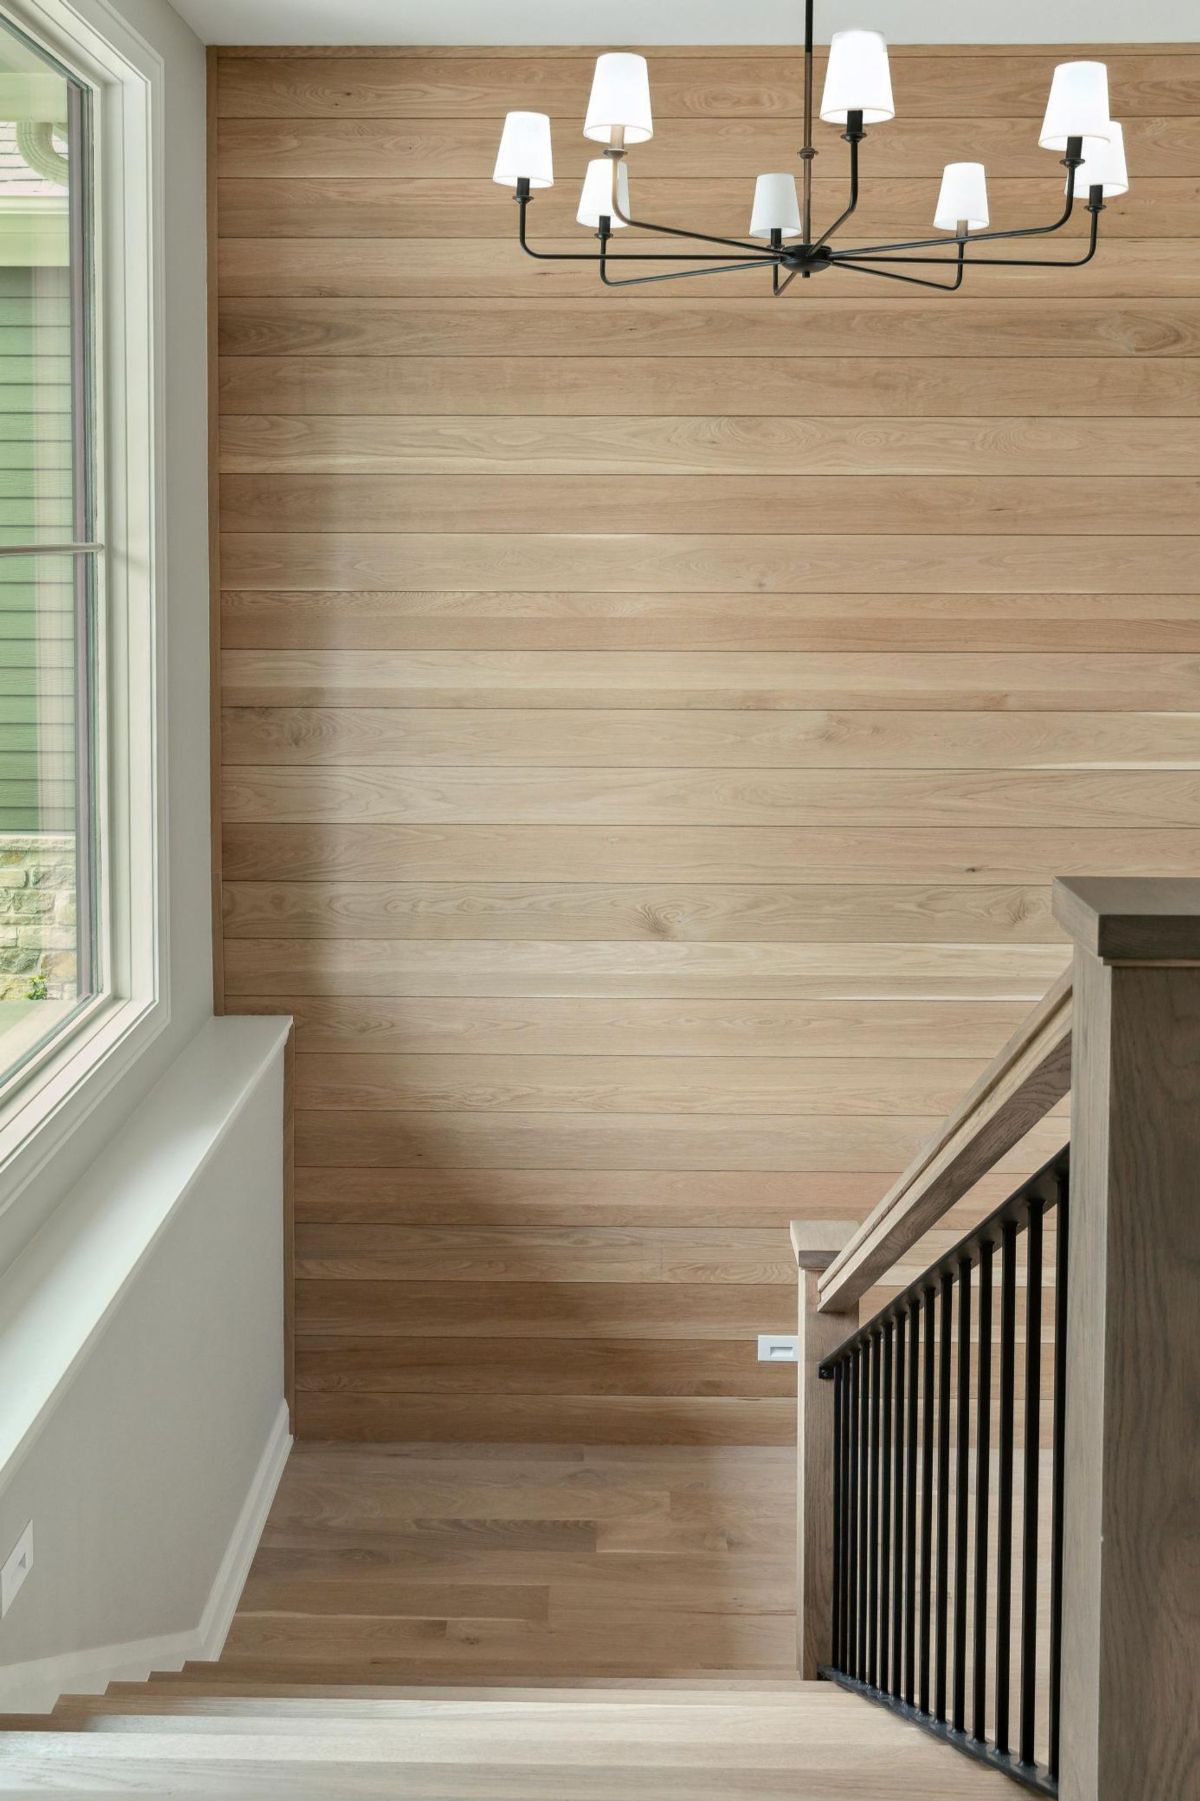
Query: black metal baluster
column 1029, row 1556
column 1062, row 1220
column 927, row 1496
column 850, row 1631
column 962, row 1447
column 873, row 1521
column 838, row 1503
column 910, row 1506
column 1004, row 1498
column 983, row 1446
column 885, row 1509
column 863, row 1508
column 898, row 1511
column 943, row 1492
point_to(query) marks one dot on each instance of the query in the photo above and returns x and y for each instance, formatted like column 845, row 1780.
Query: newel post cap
column 816, row 1242
column 1131, row 919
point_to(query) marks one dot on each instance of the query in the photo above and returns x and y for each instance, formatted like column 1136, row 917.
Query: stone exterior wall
column 37, row 916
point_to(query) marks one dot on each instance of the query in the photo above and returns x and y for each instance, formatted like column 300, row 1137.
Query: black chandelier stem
column 676, row 231
column 638, row 281
column 917, row 281
column 1095, row 208
column 808, row 150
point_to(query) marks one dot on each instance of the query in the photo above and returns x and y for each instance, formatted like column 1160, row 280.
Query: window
column 49, row 969
column 82, row 858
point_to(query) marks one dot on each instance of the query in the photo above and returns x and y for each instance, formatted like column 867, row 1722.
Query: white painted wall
column 620, row 22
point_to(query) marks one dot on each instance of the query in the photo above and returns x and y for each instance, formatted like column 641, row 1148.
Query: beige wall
column 653, row 719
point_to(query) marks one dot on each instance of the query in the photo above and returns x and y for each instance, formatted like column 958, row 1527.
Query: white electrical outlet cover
column 17, row 1565
column 778, row 1347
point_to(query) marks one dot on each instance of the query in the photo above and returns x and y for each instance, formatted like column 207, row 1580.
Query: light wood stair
column 721, row 1738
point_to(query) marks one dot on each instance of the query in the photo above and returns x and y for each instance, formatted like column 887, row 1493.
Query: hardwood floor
column 410, row 1563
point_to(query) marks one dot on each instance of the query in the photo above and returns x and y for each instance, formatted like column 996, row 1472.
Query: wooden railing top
column 1017, row 1089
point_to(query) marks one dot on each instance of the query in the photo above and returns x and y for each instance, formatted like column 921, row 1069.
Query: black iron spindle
column 927, row 1418
column 910, row 1505
column 885, row 1509
column 864, row 1488
column 1004, row 1487
column 872, row 1671
column 983, row 1445
column 1029, row 1553
column 943, row 1493
column 850, row 1624
column 838, row 1504
column 897, row 1622
column 962, row 1447
column 1063, row 1227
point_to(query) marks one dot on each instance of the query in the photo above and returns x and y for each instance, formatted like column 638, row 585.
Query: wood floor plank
column 629, row 1419
column 535, row 1366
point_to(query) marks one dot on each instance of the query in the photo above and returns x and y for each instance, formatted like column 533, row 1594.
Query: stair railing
column 999, row 1477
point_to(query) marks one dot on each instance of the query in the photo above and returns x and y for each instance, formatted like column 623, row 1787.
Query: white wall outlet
column 778, row 1347
column 17, row 1565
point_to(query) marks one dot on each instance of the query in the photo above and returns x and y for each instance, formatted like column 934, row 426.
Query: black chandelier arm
column 916, row 281
column 591, row 256
column 991, row 262
column 854, row 135
column 677, row 231
column 637, row 281
column 1071, row 161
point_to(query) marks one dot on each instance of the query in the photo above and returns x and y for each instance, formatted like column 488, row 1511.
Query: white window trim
column 53, row 1094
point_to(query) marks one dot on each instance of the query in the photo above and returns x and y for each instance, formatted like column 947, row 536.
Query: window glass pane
column 46, row 599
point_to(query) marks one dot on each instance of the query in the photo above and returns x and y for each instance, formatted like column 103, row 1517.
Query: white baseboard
column 35, row 1687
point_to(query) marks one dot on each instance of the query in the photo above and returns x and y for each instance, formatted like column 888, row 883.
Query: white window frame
column 48, row 1096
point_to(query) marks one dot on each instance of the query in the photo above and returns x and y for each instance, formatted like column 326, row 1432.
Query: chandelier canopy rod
column 857, row 93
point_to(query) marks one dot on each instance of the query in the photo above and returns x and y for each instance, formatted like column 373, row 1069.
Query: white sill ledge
column 56, row 1297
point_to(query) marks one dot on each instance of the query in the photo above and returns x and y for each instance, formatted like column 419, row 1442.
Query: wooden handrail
column 1017, row 1089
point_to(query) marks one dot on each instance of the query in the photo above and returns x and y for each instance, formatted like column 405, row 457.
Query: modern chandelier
column 857, row 93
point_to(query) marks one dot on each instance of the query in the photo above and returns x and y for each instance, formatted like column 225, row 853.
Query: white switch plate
column 778, row 1347
column 17, row 1565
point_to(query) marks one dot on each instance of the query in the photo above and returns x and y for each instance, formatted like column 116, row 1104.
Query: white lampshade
column 776, row 207
column 525, row 151
column 857, row 79
column 1078, row 105
column 597, row 195
column 963, row 195
column 1103, row 166
column 620, row 98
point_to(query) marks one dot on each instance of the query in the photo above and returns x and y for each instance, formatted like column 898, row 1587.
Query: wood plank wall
column 652, row 720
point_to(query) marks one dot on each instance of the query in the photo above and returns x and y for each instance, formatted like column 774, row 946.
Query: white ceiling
column 597, row 22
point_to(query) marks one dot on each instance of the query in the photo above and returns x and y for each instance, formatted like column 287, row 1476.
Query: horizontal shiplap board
column 471, row 269
column 685, row 84
column 774, row 1086
column 753, row 445
column 953, row 855
column 782, row 912
column 621, row 326
column 548, row 1025
column 359, row 1253
column 868, row 384
column 296, row 619
column 752, row 505
column 739, row 971
column 529, row 1419
column 481, row 561
column 619, row 1140
column 755, row 1199
column 889, row 210
column 678, row 738
column 688, row 148
column 538, row 1366
column 888, row 798
column 1087, row 682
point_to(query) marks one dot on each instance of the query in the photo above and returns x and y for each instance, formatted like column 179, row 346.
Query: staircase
column 719, row 1739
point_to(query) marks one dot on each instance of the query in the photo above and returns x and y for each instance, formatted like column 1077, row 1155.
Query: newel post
column 1131, row 1576
column 816, row 1244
